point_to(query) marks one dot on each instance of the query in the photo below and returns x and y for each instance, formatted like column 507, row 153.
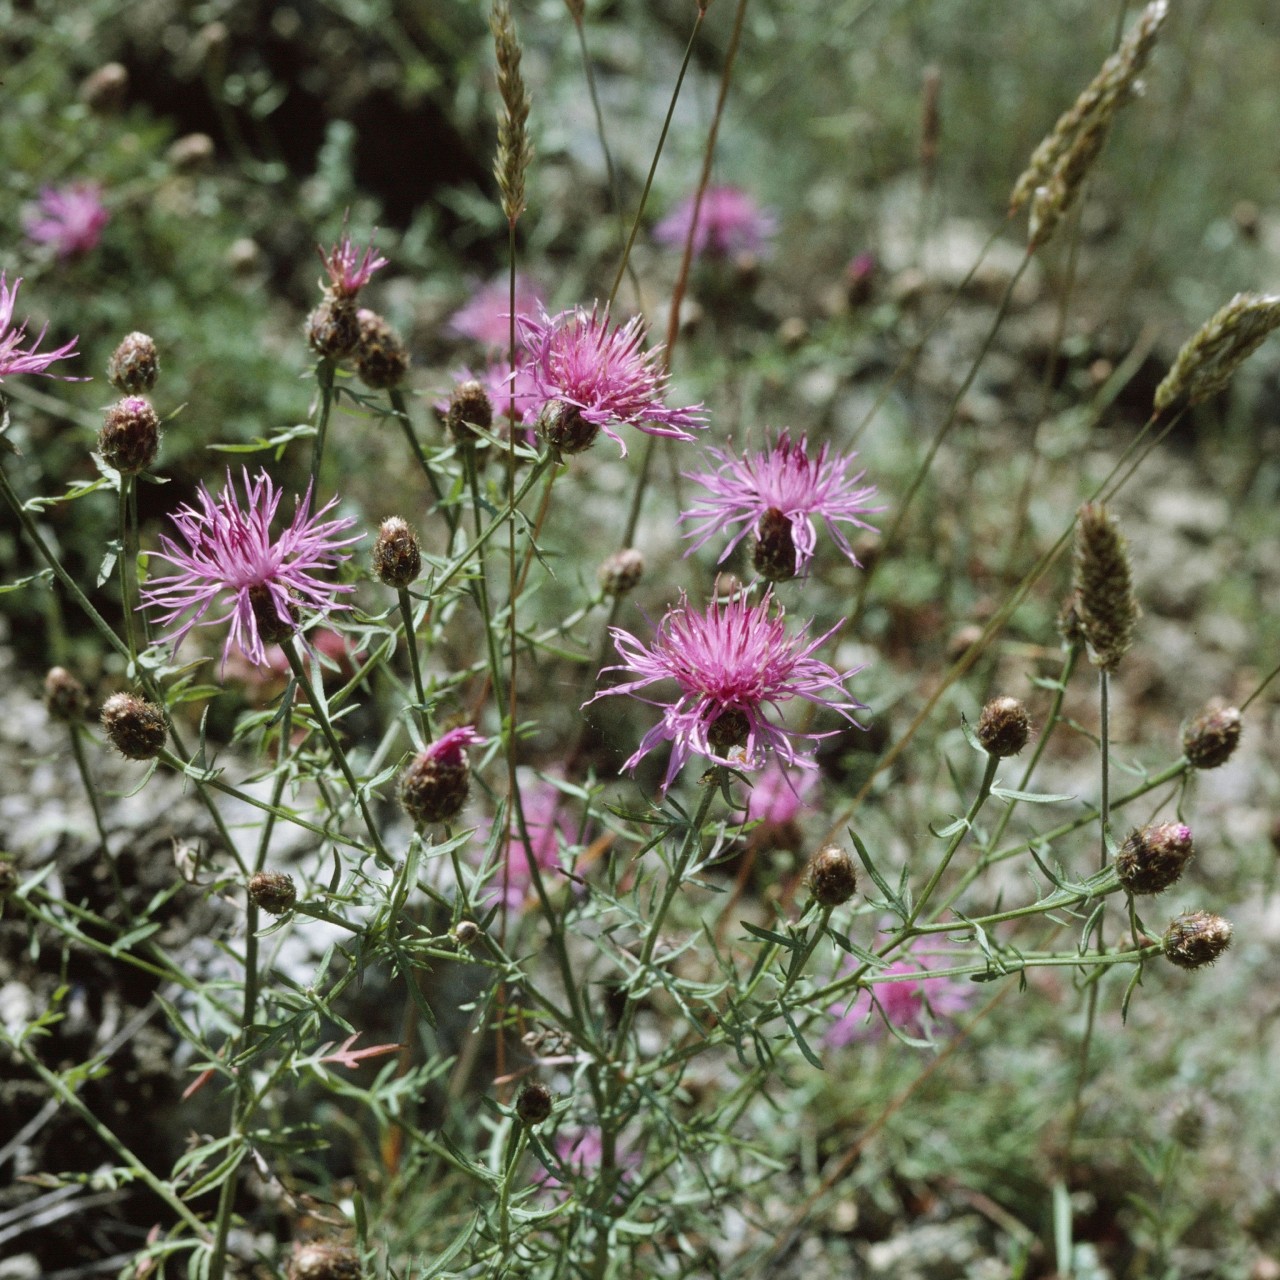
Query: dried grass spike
column 1096, row 105
column 1105, row 604
column 1210, row 357
column 515, row 152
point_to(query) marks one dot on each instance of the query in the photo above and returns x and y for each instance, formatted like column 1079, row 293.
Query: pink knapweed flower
column 582, row 1154
column 13, row 359
column 599, row 376
column 901, row 1004
column 348, row 269
column 776, row 494
column 69, row 219
column 230, row 554
column 729, row 222
column 486, row 317
column 731, row 661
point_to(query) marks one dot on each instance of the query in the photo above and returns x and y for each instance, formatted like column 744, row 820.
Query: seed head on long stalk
column 515, row 152
column 1212, row 354
column 1105, row 606
column 1059, row 164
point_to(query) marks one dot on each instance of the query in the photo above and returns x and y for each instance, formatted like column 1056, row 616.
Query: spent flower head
column 230, row 555
column 729, row 222
column 600, row 376
column 68, row 219
column 730, row 662
column 776, row 494
column 13, row 357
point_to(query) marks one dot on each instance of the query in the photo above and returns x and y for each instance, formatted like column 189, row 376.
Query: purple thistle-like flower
column 776, row 494
column 730, row 661
column 901, row 1004
column 69, row 218
column 486, row 317
column 13, row 359
column 349, row 270
column 230, row 552
column 729, row 222
column 602, row 374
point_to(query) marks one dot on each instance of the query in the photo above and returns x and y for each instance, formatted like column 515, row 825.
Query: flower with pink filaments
column 70, row 219
column 349, row 270
column 731, row 661
column 729, row 222
column 779, row 492
column 13, row 359
column 602, row 374
column 229, row 552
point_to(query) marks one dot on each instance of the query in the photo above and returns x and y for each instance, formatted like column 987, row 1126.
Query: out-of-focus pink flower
column 230, row 553
column 13, row 358
column 778, row 796
column 550, row 824
column 69, row 219
column 347, row 268
column 729, row 223
column 582, row 1153
column 730, row 662
column 486, row 316
column 602, row 374
column 902, row 1003
column 777, row 494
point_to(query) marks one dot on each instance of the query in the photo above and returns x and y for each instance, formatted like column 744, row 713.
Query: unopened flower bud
column 833, row 879
column 1003, row 727
column 564, row 428
column 621, row 572
column 133, row 726
column 134, row 364
column 469, row 407
column 324, row 1260
column 1154, row 858
column 465, row 932
column 775, row 551
column 272, row 892
column 1211, row 738
column 130, row 435
column 333, row 328
column 533, row 1103
column 397, row 556
column 8, row 878
column 434, row 787
column 1196, row 938
column 382, row 359
column 64, row 696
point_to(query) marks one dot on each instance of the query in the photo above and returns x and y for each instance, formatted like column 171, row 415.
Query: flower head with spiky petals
column 229, row 552
column 729, row 222
column 13, row 359
column 776, row 494
column 349, row 270
column 69, row 219
column 591, row 376
column 731, row 661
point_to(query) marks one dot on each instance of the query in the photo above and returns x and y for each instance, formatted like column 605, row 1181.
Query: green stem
column 324, row 381
column 340, row 759
column 68, row 1097
column 400, row 411
column 411, row 643
column 128, row 567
